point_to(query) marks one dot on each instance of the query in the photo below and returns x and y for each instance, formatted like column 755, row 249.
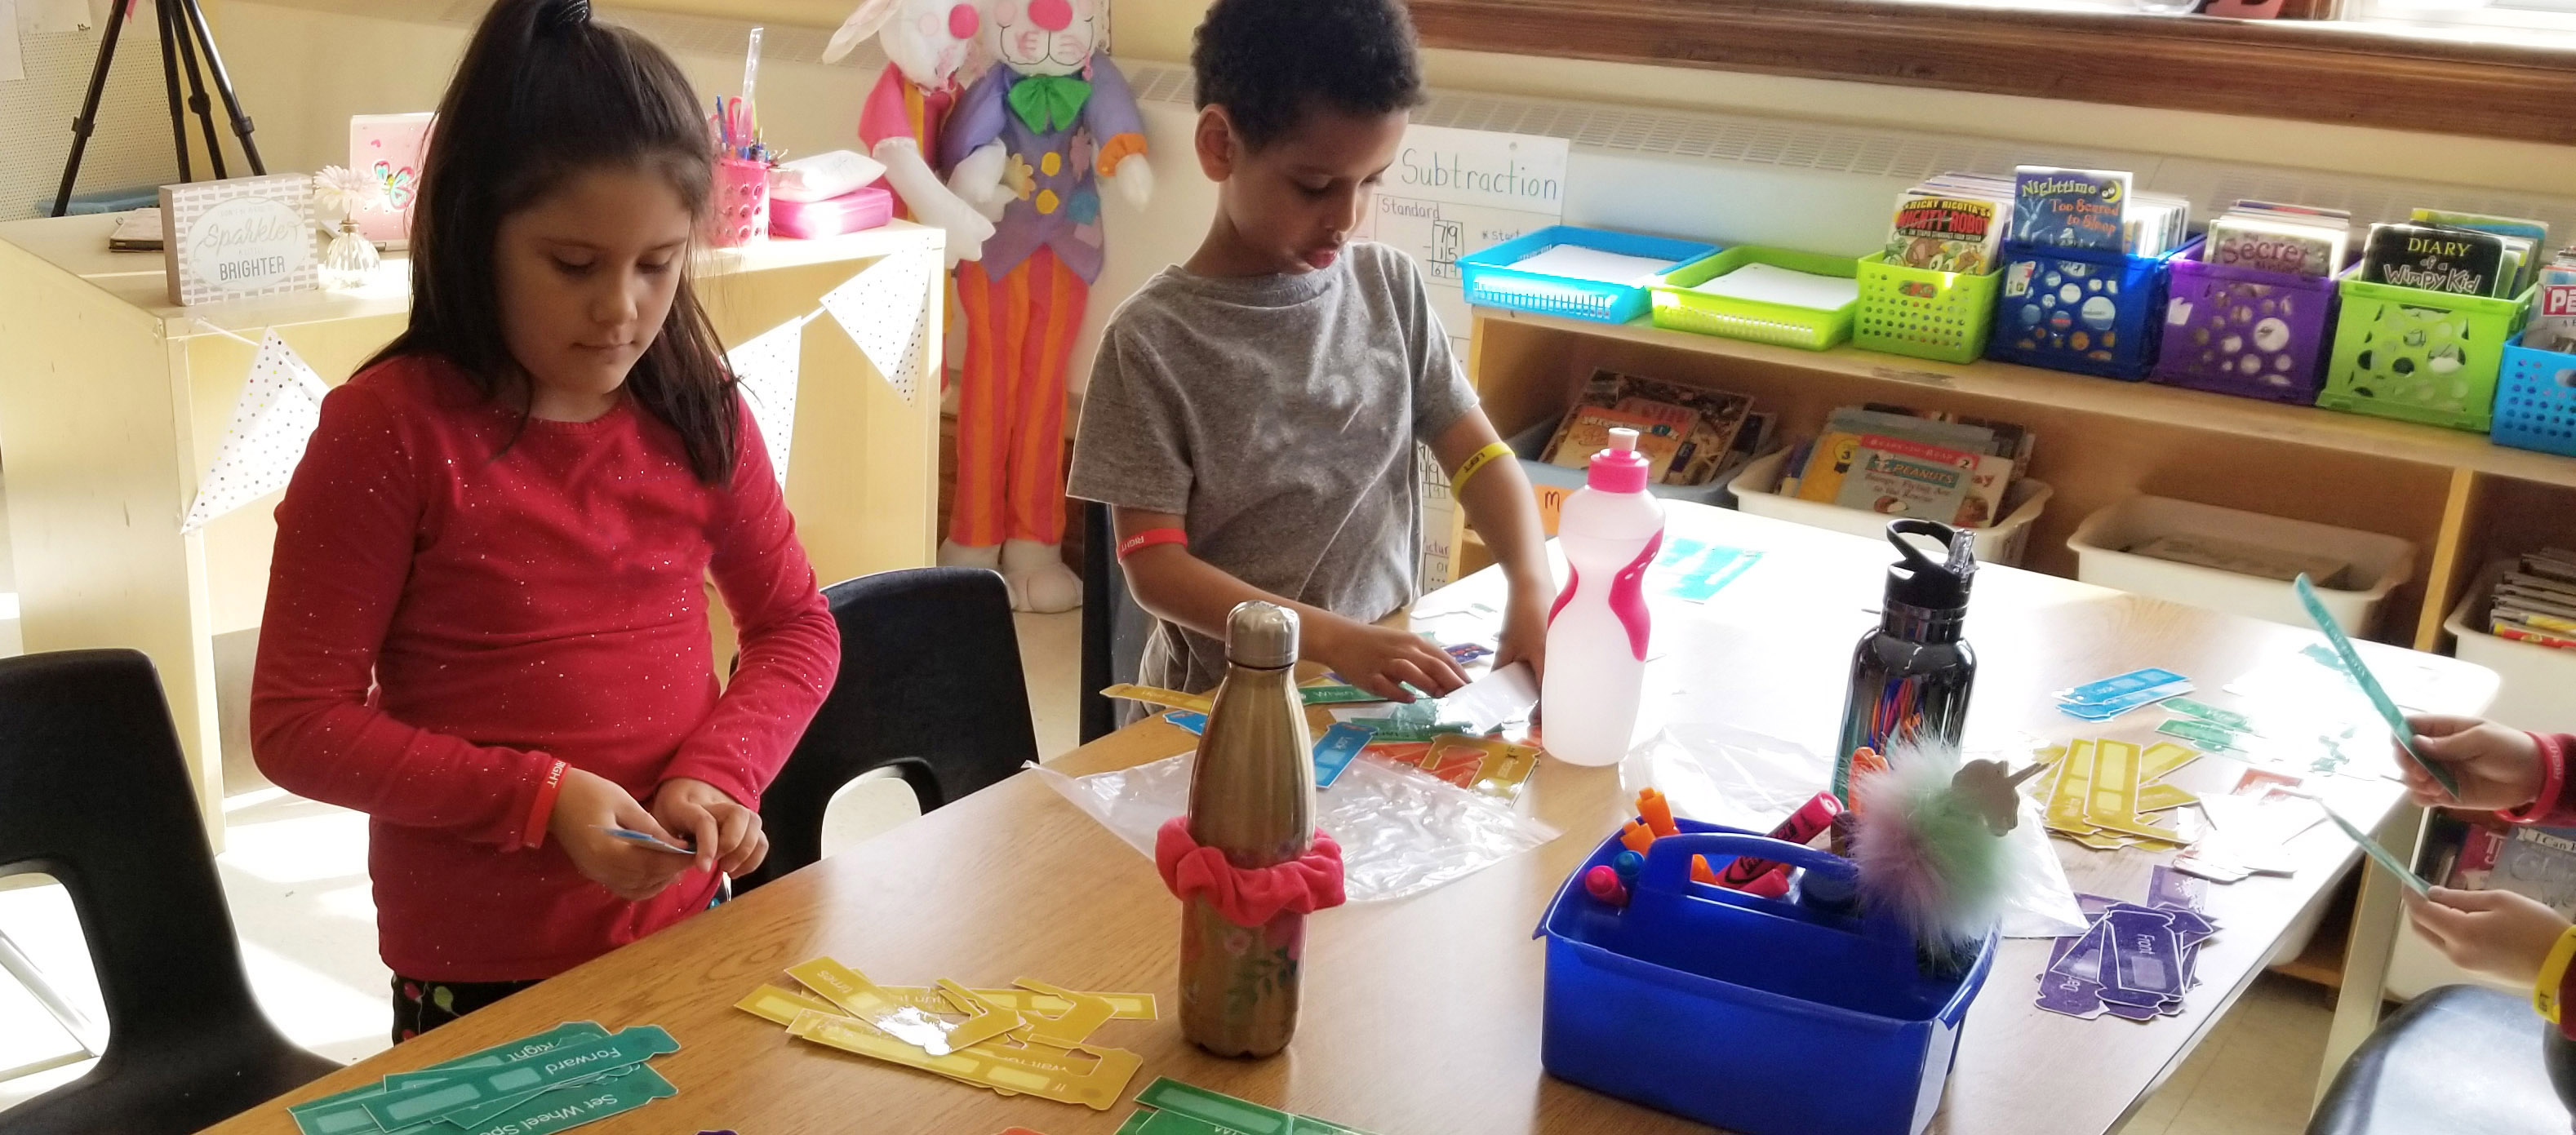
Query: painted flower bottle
column 1252, row 797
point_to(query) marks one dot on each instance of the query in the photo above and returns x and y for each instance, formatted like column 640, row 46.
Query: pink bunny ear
column 866, row 20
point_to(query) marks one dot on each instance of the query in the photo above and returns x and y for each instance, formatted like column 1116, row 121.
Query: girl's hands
column 2498, row 768
column 1382, row 660
column 2495, row 932
column 726, row 834
column 588, row 802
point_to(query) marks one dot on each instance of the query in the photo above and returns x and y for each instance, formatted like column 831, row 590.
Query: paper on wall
column 13, row 61
column 885, row 312
column 767, row 367
column 53, row 17
column 1451, row 193
column 279, row 407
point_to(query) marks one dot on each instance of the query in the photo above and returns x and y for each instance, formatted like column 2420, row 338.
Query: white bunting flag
column 767, row 367
column 886, row 312
column 279, row 408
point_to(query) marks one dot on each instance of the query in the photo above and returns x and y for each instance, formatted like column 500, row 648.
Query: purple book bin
column 2245, row 331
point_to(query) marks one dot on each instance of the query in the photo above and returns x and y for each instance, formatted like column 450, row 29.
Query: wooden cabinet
column 2459, row 497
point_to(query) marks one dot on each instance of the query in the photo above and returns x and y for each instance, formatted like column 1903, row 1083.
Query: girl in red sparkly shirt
column 486, row 621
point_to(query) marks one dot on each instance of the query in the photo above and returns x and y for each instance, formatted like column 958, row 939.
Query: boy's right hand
column 2498, row 768
column 588, row 802
column 1382, row 660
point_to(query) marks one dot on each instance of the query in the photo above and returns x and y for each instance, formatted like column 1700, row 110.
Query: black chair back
column 930, row 686
column 94, row 791
column 1114, row 628
column 2458, row 1058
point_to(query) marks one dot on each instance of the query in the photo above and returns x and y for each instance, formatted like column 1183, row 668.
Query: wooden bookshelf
column 2461, row 498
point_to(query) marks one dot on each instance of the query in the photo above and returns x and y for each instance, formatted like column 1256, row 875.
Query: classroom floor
column 295, row 874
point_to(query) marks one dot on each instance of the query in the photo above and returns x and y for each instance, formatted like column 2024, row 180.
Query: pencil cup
column 741, row 211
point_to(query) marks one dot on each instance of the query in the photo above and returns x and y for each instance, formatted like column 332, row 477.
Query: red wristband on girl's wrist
column 543, row 808
column 1150, row 537
column 2553, row 782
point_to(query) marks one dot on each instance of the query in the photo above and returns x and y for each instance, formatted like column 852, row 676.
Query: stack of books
column 2096, row 209
column 1899, row 461
column 2535, row 602
column 2297, row 240
column 1952, row 223
column 2465, row 254
column 1692, row 435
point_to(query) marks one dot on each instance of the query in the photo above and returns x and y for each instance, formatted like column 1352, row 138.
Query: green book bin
column 1679, row 308
column 2420, row 356
column 1942, row 316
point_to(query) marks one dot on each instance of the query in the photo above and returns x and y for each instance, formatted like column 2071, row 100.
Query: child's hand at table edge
column 1381, row 660
column 588, row 802
column 2498, row 767
column 727, row 835
column 2492, row 932
column 1524, row 637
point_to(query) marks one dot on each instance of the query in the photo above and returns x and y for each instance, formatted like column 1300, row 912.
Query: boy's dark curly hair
column 1267, row 61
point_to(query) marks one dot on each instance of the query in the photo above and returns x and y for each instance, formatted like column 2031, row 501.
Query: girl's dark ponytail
column 544, row 93
column 568, row 14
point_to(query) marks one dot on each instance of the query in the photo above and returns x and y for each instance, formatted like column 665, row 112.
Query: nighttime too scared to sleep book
column 2071, row 208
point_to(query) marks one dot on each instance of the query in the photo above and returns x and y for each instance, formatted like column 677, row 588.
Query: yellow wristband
column 1475, row 463
column 2553, row 974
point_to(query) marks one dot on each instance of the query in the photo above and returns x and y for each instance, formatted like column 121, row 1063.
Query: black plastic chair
column 2460, row 1058
column 930, row 686
column 1114, row 628
column 94, row 791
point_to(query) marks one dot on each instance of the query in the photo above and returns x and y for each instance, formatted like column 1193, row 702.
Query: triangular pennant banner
column 767, row 367
column 886, row 312
column 279, row 408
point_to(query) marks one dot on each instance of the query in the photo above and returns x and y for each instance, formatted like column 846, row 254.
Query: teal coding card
column 2361, row 676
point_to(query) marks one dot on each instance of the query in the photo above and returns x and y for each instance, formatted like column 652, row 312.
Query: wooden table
column 113, row 403
column 1422, row 1016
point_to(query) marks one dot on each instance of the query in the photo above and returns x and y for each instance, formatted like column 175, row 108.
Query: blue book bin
column 1492, row 278
column 1755, row 1015
column 2081, row 310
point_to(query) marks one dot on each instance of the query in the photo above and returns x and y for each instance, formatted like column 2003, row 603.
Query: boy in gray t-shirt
column 1253, row 415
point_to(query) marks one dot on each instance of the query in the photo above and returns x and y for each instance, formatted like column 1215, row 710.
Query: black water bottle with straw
column 1911, row 676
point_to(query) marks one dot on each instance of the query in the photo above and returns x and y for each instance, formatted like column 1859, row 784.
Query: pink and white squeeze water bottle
column 1596, row 635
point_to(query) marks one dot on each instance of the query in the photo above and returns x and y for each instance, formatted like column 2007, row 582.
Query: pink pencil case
column 863, row 208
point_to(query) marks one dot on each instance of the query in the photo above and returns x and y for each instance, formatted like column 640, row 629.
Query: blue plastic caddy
column 1755, row 1015
column 1492, row 278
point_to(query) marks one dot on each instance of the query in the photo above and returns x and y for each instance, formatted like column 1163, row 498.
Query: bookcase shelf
column 2460, row 497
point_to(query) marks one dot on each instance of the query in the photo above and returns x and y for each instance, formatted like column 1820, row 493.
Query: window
column 2459, row 77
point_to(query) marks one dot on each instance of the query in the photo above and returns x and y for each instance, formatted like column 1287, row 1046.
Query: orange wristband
column 543, row 809
column 1150, row 537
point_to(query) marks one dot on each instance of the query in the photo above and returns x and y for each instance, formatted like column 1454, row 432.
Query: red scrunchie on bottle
column 1248, row 896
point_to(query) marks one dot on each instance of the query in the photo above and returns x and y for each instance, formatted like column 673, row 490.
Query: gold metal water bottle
column 1252, row 796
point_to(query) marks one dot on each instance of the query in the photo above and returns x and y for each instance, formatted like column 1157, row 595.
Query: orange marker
column 1865, row 763
column 1637, row 837
column 1700, row 872
column 1657, row 812
column 1866, row 759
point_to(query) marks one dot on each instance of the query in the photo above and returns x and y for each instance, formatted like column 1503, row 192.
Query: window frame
column 2332, row 71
